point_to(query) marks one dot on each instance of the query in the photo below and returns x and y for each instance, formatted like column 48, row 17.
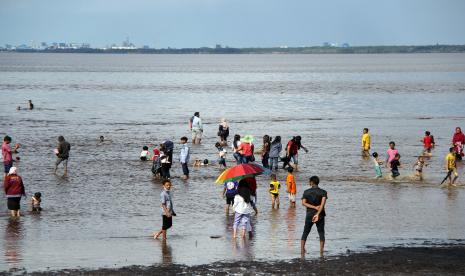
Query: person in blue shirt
column 184, row 158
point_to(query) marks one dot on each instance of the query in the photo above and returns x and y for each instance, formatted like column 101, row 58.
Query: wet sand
column 443, row 260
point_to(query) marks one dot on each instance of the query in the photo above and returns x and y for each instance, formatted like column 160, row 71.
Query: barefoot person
column 184, row 157
column 167, row 210
column 14, row 190
column 62, row 153
column 314, row 199
column 292, row 152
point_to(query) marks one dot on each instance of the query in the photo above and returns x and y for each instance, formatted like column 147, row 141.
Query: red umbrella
column 239, row 172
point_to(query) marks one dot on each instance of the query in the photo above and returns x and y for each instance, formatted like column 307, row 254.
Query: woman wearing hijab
column 458, row 142
column 14, row 189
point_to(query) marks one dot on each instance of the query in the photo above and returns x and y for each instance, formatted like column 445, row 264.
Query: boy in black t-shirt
column 314, row 199
column 395, row 164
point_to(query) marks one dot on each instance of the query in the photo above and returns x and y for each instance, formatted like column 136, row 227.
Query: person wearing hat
column 14, row 190
column 246, row 149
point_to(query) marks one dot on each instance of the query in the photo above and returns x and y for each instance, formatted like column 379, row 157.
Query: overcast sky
column 237, row 23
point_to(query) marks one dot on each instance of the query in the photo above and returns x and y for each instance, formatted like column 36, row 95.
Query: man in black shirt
column 62, row 153
column 314, row 199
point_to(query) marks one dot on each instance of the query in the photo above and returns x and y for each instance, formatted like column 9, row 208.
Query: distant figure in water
column 102, row 139
column 292, row 150
column 62, row 153
column 167, row 210
column 197, row 129
column 378, row 164
column 31, row 105
column 314, row 199
column 418, row 166
column 145, row 154
column 427, row 143
column 223, row 131
column 451, row 167
column 366, row 143
column 18, row 108
column 36, row 199
column 458, row 142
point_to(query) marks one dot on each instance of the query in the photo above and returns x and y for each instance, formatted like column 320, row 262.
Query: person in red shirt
column 14, row 190
column 427, row 144
column 458, row 142
column 246, row 150
column 292, row 151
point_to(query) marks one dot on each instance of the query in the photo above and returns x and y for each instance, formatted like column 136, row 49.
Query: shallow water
column 102, row 215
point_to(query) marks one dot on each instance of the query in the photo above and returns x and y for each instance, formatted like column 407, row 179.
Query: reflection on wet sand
column 290, row 222
column 166, row 253
column 13, row 237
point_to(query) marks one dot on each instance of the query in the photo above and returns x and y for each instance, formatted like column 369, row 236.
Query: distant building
column 62, row 45
column 326, row 44
column 218, row 46
column 345, row 45
column 85, row 46
column 145, row 47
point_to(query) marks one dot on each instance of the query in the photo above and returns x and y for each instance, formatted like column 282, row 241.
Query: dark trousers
column 165, row 171
column 320, row 226
column 265, row 160
column 185, row 169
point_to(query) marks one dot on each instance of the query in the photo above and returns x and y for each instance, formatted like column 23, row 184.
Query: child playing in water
column 221, row 154
column 274, row 191
column 395, row 164
column 366, row 143
column 427, row 143
column 35, row 202
column 378, row 164
column 451, row 167
column 200, row 162
column 291, row 186
column 229, row 192
column 144, row 154
column 418, row 166
column 167, row 210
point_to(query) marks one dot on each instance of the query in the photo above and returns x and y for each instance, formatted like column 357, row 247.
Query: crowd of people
column 240, row 196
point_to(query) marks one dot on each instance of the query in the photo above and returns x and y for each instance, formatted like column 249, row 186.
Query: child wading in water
column 366, row 143
column 291, row 186
column 451, row 167
column 145, row 154
column 221, row 155
column 395, row 164
column 242, row 209
column 428, row 143
column 274, row 191
column 167, row 210
column 35, row 202
column 378, row 164
column 418, row 166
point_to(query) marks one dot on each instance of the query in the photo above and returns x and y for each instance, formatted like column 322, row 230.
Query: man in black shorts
column 314, row 199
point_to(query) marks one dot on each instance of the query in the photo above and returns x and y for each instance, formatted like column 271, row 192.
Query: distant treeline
column 277, row 50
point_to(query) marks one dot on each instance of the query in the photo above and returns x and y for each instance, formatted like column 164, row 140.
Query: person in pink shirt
column 7, row 154
column 391, row 153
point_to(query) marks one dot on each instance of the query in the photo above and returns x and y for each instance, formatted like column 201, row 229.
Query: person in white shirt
column 145, row 154
column 197, row 129
column 242, row 209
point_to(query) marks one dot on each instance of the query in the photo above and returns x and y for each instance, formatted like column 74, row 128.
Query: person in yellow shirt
column 451, row 168
column 274, row 191
column 366, row 143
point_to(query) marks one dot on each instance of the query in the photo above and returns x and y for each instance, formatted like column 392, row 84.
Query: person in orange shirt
column 291, row 187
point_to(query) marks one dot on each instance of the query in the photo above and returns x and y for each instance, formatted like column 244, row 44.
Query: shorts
column 167, row 222
column 274, row 195
column 454, row 172
column 229, row 200
column 14, row 203
column 291, row 197
column 60, row 160
column 196, row 134
column 295, row 159
column 378, row 171
column 8, row 166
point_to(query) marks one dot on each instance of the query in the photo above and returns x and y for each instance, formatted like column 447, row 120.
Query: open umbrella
column 239, row 172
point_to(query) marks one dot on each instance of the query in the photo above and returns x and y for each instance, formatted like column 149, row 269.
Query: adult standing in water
column 458, row 142
column 223, row 131
column 275, row 151
column 62, row 153
column 266, row 151
column 14, row 190
column 236, row 149
column 197, row 129
column 292, row 152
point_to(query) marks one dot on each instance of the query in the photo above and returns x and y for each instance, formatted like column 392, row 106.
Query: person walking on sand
column 314, row 199
column 366, row 143
column 7, row 154
column 197, row 129
column 62, row 153
column 14, row 190
column 184, row 158
column 275, row 150
column 167, row 210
